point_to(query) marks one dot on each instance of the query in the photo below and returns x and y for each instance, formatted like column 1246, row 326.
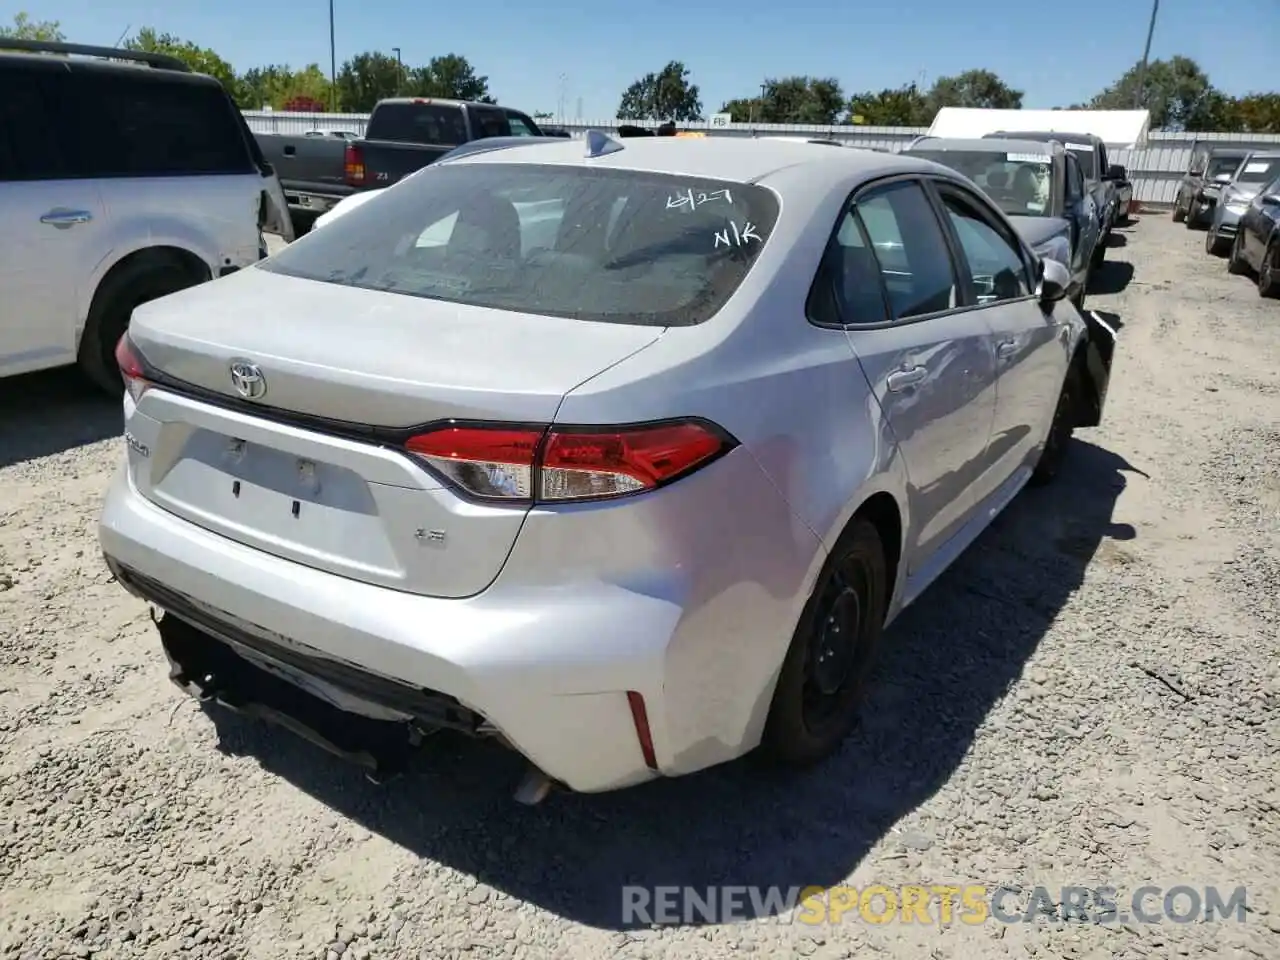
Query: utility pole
column 333, row 66
column 1140, row 98
column 399, row 70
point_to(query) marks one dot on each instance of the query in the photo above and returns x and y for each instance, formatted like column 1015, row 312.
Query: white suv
column 120, row 182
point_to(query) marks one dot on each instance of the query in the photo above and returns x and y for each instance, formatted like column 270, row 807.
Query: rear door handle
column 1006, row 349
column 903, row 379
column 63, row 218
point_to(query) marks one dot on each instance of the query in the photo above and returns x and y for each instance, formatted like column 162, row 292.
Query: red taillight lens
column 353, row 164
column 131, row 367
column 565, row 464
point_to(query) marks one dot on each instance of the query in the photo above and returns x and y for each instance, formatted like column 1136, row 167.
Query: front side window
column 1219, row 165
column 910, row 248
column 588, row 243
column 132, row 123
column 521, row 126
column 994, row 259
column 488, row 122
column 1075, row 179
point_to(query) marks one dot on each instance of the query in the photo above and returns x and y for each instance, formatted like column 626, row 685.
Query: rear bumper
column 547, row 665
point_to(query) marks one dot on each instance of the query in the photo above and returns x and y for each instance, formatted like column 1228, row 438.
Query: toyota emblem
column 248, row 380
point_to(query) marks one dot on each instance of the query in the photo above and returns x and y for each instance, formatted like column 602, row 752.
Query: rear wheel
column 134, row 284
column 1269, row 271
column 1235, row 260
column 1060, row 431
column 1179, row 211
column 1099, row 250
column 823, row 679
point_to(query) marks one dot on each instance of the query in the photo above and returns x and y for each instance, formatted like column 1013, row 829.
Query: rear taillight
column 563, row 464
column 353, row 165
column 131, row 368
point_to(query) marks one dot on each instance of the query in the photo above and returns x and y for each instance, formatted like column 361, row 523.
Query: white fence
column 1154, row 170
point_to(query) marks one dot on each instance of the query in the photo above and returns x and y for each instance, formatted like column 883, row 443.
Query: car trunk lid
column 313, row 468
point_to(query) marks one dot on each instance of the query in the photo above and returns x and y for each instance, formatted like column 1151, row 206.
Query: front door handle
column 1006, row 349
column 63, row 218
column 905, row 378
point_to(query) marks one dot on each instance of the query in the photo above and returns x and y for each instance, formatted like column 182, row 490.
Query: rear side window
column 142, row 123
column 30, row 147
column 489, row 122
column 594, row 244
column 910, row 247
column 426, row 123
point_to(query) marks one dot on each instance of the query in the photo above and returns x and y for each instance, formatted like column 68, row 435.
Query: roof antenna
column 600, row 144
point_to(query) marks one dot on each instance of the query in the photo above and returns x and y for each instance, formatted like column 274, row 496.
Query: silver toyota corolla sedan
column 624, row 453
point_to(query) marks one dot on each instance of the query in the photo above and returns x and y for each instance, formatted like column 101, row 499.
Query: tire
column 1060, row 431
column 1179, row 212
column 1213, row 244
column 1235, row 262
column 147, row 278
column 1269, row 271
column 824, row 676
column 1099, row 253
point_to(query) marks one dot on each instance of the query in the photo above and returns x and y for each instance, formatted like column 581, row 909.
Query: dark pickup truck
column 1100, row 175
column 402, row 136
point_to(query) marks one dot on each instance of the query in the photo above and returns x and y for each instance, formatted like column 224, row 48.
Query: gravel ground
column 1090, row 697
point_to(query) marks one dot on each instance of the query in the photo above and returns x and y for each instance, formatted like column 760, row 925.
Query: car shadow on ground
column 1112, row 277
column 1117, row 240
column 46, row 413
column 948, row 661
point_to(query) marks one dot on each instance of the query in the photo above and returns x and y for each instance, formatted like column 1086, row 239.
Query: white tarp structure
column 1119, row 129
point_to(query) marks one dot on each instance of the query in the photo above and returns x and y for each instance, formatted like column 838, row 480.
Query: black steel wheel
column 824, row 677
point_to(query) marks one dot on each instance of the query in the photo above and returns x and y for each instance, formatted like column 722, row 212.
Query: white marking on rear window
column 736, row 236
column 689, row 200
column 1026, row 158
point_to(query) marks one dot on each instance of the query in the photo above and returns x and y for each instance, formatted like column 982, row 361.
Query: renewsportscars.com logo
column 932, row 904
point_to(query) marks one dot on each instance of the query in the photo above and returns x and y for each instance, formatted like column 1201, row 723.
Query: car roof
column 1062, row 136
column 45, row 61
column 1228, row 151
column 1262, row 154
column 983, row 145
column 746, row 160
column 496, row 143
column 443, row 102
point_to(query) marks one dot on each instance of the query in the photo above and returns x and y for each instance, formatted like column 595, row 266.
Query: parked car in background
column 1100, row 174
column 348, row 204
column 1256, row 245
column 1039, row 186
column 1256, row 170
column 1124, row 199
column 795, row 383
column 1209, row 169
column 123, row 177
column 401, row 136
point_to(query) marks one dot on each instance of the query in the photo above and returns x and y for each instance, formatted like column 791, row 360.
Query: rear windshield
column 1021, row 184
column 425, row 123
column 565, row 241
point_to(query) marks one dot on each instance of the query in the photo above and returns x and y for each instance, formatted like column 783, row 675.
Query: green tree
column 811, row 100
column 1176, row 92
column 367, row 78
column 891, row 107
column 1258, row 113
column 980, row 89
column 199, row 59
column 24, row 28
column 665, row 95
column 449, row 77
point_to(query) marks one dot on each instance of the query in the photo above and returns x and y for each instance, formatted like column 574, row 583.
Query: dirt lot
column 1091, row 697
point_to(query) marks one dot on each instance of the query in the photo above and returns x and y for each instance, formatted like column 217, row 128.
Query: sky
column 573, row 58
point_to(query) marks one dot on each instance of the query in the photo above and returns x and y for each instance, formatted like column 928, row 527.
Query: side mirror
column 1117, row 172
column 1055, row 278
